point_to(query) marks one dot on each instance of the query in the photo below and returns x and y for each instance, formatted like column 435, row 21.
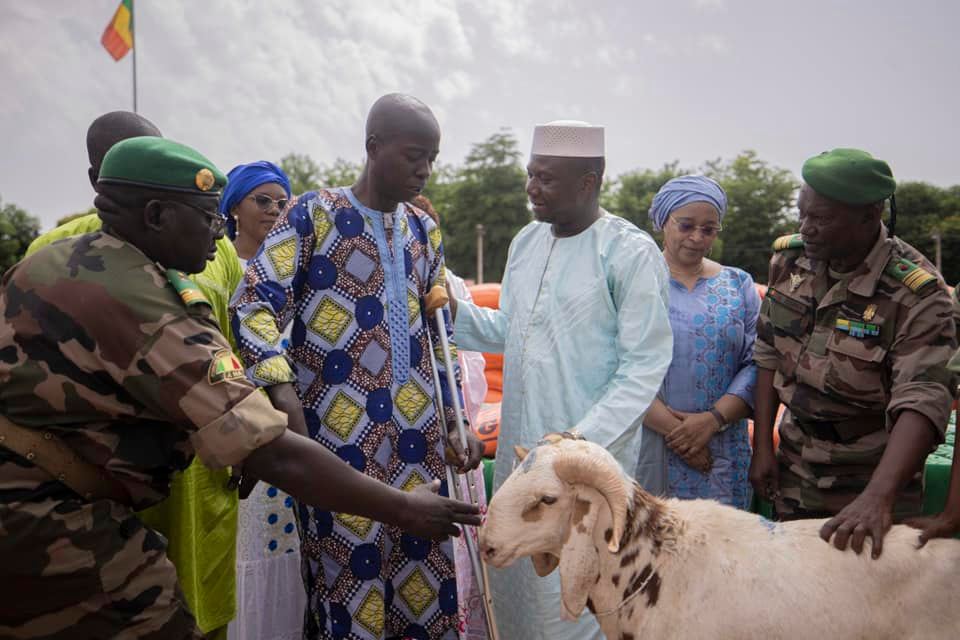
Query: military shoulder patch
column 224, row 366
column 189, row 292
column 793, row 241
column 915, row 277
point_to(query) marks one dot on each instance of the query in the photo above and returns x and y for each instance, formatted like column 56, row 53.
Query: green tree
column 342, row 173
column 630, row 195
column 303, row 171
column 306, row 175
column 17, row 230
column 760, row 207
column 925, row 210
column 760, row 200
column 489, row 189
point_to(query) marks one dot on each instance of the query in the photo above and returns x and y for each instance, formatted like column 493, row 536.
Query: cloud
column 242, row 81
column 615, row 56
column 714, row 43
column 455, row 86
column 709, row 5
column 658, row 45
column 239, row 81
column 511, row 27
column 622, row 87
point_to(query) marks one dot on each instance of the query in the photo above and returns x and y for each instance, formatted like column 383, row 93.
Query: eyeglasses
column 264, row 201
column 685, row 226
column 216, row 221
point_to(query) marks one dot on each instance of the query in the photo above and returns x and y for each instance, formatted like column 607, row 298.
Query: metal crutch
column 434, row 302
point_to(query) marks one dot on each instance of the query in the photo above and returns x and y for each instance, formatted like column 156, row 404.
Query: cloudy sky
column 688, row 80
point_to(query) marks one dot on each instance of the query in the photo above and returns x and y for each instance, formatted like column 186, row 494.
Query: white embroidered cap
column 568, row 139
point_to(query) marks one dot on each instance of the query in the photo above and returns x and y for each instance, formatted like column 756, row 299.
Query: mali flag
column 117, row 38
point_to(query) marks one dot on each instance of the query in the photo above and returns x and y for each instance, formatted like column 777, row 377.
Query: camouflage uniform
column 98, row 348
column 849, row 356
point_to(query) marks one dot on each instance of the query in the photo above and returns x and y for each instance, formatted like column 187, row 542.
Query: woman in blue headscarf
column 695, row 442
column 255, row 195
column 270, row 593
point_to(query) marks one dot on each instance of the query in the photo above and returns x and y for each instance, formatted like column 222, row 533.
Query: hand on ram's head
column 565, row 500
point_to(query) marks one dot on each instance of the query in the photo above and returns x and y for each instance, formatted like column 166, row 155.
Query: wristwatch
column 721, row 421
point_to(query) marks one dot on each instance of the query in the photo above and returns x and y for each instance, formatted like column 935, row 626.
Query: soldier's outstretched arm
column 187, row 372
column 313, row 475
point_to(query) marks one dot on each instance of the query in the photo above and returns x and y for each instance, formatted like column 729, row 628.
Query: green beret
column 159, row 163
column 851, row 176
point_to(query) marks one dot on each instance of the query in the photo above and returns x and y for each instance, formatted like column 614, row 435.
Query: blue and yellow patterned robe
column 352, row 281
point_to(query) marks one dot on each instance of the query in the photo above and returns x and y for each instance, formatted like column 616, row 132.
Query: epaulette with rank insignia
column 913, row 275
column 189, row 292
column 792, row 241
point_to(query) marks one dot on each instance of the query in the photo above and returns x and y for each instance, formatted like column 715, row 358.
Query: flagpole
column 133, row 35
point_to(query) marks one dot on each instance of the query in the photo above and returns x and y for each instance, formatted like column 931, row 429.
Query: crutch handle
column 436, row 299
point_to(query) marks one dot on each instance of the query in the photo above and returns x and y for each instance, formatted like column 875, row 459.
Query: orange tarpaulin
column 488, row 295
column 488, row 419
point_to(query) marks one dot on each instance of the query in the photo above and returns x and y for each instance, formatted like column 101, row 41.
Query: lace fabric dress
column 270, row 594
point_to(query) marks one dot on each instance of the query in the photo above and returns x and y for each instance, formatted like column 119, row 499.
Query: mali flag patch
column 224, row 366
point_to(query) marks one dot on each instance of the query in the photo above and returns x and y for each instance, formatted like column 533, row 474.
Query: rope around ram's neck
column 643, row 585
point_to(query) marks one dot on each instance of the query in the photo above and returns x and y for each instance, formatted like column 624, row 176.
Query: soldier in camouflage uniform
column 853, row 337
column 202, row 507
column 106, row 346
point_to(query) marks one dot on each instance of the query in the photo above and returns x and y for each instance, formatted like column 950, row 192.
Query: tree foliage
column 306, row 175
column 760, row 207
column 303, row 172
column 924, row 210
column 17, row 230
column 489, row 189
column 760, row 200
column 631, row 195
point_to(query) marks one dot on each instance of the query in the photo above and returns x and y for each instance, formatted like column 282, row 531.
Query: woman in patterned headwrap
column 270, row 594
column 695, row 443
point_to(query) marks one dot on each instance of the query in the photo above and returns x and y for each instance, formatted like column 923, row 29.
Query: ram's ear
column 520, row 452
column 579, row 560
column 544, row 563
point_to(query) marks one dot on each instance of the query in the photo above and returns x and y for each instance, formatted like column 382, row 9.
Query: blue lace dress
column 714, row 328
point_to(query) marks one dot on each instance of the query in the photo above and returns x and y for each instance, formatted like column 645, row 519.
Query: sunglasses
column 687, row 227
column 265, row 202
column 216, row 222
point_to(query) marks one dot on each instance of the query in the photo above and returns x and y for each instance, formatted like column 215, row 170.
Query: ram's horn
column 583, row 467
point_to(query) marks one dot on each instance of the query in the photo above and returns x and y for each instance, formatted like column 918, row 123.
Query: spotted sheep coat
column 652, row 568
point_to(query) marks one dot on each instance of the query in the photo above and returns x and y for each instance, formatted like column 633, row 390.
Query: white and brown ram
column 652, row 568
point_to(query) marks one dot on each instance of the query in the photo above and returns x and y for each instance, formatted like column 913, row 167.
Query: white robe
column 584, row 326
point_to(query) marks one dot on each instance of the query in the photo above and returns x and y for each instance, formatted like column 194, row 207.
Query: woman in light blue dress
column 695, row 442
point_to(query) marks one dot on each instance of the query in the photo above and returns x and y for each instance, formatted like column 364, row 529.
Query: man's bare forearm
column 910, row 442
column 313, row 475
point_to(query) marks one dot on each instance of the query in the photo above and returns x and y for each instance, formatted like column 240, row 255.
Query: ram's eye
column 548, row 499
